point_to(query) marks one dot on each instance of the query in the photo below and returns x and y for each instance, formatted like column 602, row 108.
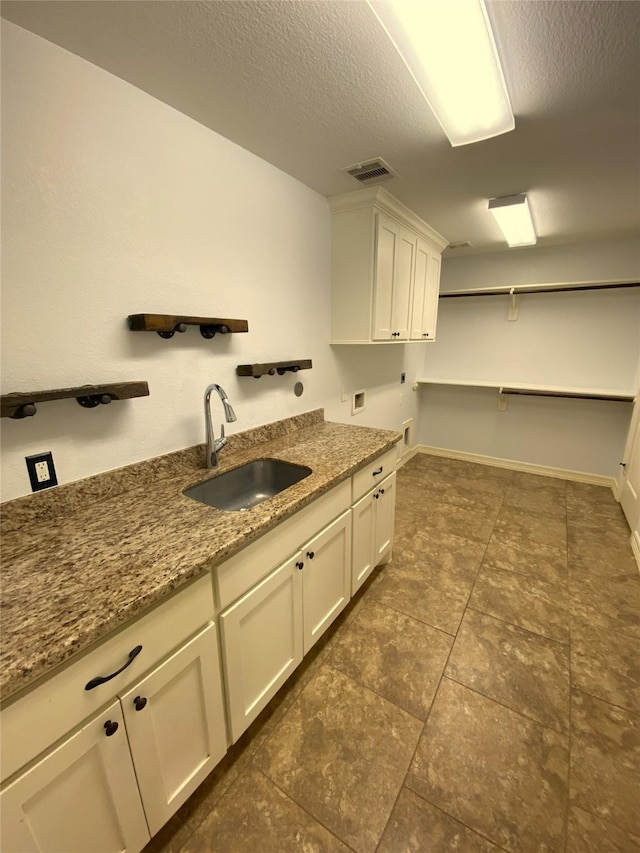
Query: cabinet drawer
column 373, row 474
column 38, row 719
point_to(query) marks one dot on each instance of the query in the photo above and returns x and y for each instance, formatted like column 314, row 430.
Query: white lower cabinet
column 176, row 728
column 266, row 633
column 373, row 522
column 261, row 638
column 83, row 797
column 118, row 776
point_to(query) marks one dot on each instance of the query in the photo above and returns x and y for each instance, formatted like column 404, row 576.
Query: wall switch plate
column 42, row 474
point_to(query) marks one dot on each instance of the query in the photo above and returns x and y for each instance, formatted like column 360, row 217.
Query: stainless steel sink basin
column 248, row 485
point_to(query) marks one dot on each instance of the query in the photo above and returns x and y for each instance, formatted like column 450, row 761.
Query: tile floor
column 481, row 693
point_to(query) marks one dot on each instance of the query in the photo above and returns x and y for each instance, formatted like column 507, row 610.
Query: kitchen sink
column 248, row 485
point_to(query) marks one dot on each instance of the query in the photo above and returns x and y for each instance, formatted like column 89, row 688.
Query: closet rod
column 538, row 288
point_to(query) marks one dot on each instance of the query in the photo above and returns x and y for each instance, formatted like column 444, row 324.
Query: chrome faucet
column 215, row 444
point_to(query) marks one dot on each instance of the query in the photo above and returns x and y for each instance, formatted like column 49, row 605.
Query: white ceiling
column 312, row 87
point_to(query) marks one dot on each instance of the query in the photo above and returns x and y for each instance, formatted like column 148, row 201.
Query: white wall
column 581, row 339
column 114, row 204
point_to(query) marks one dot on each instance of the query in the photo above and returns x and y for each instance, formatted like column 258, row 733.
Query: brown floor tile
column 493, row 770
column 535, row 482
column 605, row 761
column 441, row 518
column 593, row 513
column 171, row 838
column 524, row 671
column 395, row 656
column 607, row 562
column 521, row 527
column 433, row 585
column 341, row 753
column 606, row 664
column 254, row 815
column 549, row 501
column 607, row 602
column 416, row 826
column 588, row 834
column 531, row 603
column 550, row 564
column 599, row 533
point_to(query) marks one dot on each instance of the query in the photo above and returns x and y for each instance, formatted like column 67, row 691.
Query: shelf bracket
column 502, row 400
column 513, row 305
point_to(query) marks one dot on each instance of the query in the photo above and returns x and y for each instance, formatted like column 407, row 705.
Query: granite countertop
column 80, row 560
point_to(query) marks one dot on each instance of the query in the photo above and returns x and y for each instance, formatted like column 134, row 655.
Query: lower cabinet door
column 81, row 798
column 364, row 534
column 176, row 727
column 261, row 643
column 385, row 518
column 326, row 578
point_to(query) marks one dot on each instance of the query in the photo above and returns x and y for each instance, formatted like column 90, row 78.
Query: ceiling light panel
column 513, row 216
column 448, row 47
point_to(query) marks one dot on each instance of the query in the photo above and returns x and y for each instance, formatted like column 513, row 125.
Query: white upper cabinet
column 426, row 289
column 385, row 270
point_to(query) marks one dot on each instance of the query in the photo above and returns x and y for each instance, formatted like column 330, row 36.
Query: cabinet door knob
column 110, row 728
column 377, row 496
column 311, row 554
column 382, row 491
column 300, row 565
column 139, row 702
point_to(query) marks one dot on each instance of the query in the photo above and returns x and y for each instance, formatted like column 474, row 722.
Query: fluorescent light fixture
column 448, row 47
column 514, row 218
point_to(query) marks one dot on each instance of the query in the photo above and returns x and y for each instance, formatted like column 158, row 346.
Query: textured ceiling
column 312, row 87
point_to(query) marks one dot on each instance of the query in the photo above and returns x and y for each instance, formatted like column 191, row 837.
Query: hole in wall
column 359, row 402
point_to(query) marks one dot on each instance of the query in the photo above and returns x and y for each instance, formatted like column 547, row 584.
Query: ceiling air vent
column 464, row 244
column 371, row 172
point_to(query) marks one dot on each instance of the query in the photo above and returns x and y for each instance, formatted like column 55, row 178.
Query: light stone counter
column 80, row 560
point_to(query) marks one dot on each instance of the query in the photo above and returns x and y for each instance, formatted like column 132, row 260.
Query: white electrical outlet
column 42, row 471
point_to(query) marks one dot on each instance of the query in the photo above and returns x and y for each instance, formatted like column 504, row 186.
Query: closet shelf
column 273, row 367
column 166, row 325
column 531, row 390
column 23, row 404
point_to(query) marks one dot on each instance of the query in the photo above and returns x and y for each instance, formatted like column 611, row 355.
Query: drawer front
column 373, row 474
column 245, row 569
column 37, row 720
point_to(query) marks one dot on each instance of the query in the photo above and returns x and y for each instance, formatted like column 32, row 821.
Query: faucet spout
column 215, row 444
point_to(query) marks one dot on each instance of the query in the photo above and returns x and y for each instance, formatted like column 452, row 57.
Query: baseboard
column 527, row 467
column 635, row 546
column 407, row 455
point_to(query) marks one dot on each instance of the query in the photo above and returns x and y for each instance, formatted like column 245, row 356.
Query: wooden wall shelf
column 273, row 367
column 23, row 404
column 166, row 325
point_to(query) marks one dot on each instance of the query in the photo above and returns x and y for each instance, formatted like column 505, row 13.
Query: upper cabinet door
column 393, row 280
column 387, row 239
column 425, row 295
column 403, row 285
